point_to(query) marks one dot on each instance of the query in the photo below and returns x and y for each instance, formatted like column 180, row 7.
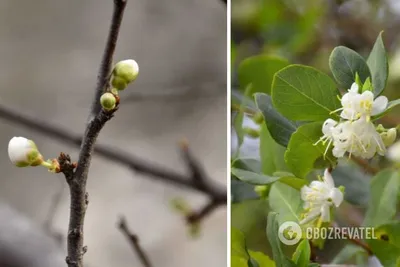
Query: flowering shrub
column 307, row 124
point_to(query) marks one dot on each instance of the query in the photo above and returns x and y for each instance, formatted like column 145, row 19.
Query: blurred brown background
column 49, row 57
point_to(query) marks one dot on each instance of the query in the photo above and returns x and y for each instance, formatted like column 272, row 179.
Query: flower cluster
column 355, row 133
column 124, row 72
column 319, row 197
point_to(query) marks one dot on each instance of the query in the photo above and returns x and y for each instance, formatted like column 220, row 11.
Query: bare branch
column 106, row 62
column 197, row 217
column 139, row 165
column 134, row 241
column 97, row 119
column 77, row 186
column 366, row 165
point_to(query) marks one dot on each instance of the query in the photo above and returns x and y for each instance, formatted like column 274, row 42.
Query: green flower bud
column 108, row 101
column 118, row 83
column 262, row 190
column 253, row 133
column 389, row 136
column 258, row 118
column 125, row 72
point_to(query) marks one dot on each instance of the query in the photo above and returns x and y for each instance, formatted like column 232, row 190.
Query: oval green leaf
column 345, row 63
column 305, row 94
column 385, row 187
column 279, row 127
column 378, row 64
column 302, row 155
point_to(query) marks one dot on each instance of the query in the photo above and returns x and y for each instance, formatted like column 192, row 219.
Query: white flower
column 319, row 197
column 23, row 152
column 356, row 105
column 394, row 152
column 358, row 138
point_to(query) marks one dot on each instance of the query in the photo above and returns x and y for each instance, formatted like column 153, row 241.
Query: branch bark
column 97, row 119
column 128, row 160
column 134, row 241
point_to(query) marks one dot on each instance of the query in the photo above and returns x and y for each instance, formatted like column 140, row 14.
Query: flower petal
column 354, row 88
column 337, row 196
column 325, row 213
column 328, row 179
column 380, row 105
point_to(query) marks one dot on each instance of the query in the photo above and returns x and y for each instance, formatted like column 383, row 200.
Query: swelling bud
column 389, row 136
column 125, row 72
column 24, row 152
column 108, row 101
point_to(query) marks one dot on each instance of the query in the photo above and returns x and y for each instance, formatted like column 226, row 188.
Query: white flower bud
column 394, row 152
column 108, row 101
column 23, row 152
column 125, row 72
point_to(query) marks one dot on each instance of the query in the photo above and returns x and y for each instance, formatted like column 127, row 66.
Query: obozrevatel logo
column 289, row 233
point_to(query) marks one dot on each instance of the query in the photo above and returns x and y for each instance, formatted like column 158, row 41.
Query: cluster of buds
column 24, row 153
column 355, row 133
column 124, row 72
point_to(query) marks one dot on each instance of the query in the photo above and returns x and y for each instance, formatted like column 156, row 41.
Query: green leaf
column 271, row 153
column 260, row 179
column 293, row 182
column 250, row 217
column 387, row 245
column 367, row 86
column 390, row 106
column 262, row 259
column 238, row 244
column 388, row 254
column 241, row 191
column 249, row 164
column 259, row 72
column 305, row 94
column 286, row 201
column 348, row 253
column 378, row 64
column 385, row 188
column 279, row 127
column 345, row 63
column 238, row 261
column 302, row 154
column 302, row 254
column 280, row 258
column 252, row 177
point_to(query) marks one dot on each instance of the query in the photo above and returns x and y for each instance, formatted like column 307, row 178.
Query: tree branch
column 97, row 119
column 198, row 216
column 139, row 165
column 136, row 164
column 366, row 165
column 106, row 62
column 134, row 241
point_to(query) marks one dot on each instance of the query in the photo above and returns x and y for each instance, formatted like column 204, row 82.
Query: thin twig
column 106, row 62
column 134, row 241
column 97, row 119
column 198, row 216
column 366, row 165
column 138, row 165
